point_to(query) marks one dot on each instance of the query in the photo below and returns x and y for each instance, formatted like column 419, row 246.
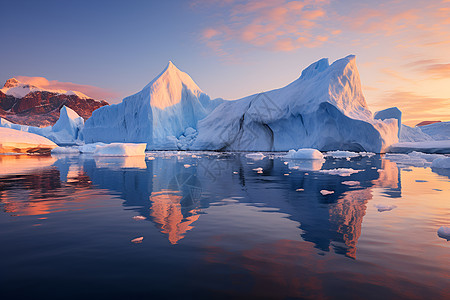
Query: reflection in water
column 166, row 211
column 267, row 235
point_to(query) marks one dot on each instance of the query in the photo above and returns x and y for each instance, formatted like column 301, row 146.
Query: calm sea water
column 210, row 226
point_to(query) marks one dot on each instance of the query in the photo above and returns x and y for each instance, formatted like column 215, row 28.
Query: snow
column 323, row 109
column 441, row 163
column 444, row 232
column 441, row 147
column 305, row 153
column 382, row 207
column 66, row 131
column 20, row 89
column 120, row 149
column 163, row 114
column 438, row 131
column 12, row 140
column 340, row 171
column 255, row 156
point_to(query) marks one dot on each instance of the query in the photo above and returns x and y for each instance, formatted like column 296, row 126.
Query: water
column 216, row 228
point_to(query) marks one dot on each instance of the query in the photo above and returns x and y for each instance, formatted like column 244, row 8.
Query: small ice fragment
column 286, row 174
column 258, row 170
column 382, row 207
column 326, row 192
column 139, row 218
column 350, row 183
column 187, row 166
column 150, row 158
column 439, row 190
column 235, row 172
column 419, row 180
column 137, row 240
column 444, row 232
column 286, row 163
column 300, row 190
column 340, row 171
column 255, row 156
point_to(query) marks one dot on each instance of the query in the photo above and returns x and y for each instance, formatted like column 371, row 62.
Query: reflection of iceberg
column 119, row 162
column 305, row 164
column 23, row 164
column 166, row 211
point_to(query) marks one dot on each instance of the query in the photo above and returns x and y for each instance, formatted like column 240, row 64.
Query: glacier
column 323, row 109
column 163, row 114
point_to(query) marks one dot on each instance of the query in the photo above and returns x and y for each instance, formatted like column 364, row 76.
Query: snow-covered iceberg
column 66, row 131
column 14, row 141
column 323, row 109
column 164, row 114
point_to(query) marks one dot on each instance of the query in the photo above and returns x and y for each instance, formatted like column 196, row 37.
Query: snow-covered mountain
column 323, row 109
column 28, row 104
column 166, row 109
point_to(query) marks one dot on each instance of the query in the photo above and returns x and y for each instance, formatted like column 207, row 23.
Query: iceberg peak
column 315, row 68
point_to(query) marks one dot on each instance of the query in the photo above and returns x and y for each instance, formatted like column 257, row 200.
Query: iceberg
column 323, row 109
column 438, row 131
column 304, row 153
column 390, row 113
column 66, row 131
column 164, row 114
column 15, row 141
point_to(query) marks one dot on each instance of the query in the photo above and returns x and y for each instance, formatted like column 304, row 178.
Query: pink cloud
column 89, row 90
column 279, row 25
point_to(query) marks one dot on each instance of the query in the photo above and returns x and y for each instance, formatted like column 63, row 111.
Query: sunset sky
column 232, row 48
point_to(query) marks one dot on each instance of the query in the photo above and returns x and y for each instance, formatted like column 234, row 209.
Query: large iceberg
column 66, row 131
column 166, row 109
column 323, row 109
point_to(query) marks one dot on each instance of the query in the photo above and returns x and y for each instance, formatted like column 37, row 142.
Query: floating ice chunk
column 441, row 163
column 300, row 190
column 120, row 149
column 304, row 153
column 326, row 192
column 12, row 140
column 382, row 207
column 235, row 172
column 137, row 240
column 187, row 166
column 340, row 171
column 444, row 232
column 66, row 150
column 255, row 156
column 305, row 164
column 342, row 154
column 258, row 170
column 137, row 218
column 350, row 183
column 90, row 148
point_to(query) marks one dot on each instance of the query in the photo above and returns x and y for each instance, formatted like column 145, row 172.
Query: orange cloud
column 274, row 24
column 89, row 90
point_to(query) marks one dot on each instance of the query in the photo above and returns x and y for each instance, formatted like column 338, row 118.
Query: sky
column 233, row 48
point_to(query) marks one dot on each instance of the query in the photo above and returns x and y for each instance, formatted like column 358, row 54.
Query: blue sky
column 233, row 48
